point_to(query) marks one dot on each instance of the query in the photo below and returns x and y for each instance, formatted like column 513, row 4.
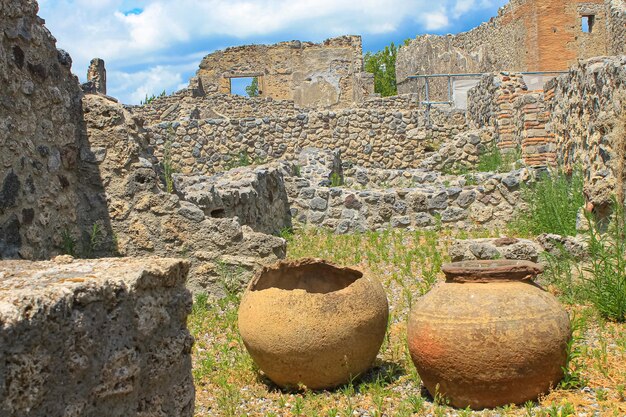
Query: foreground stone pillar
column 95, row 338
column 97, row 74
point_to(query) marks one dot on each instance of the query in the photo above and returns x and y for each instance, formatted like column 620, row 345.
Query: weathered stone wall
column 447, row 201
column 616, row 26
column 95, row 338
column 588, row 108
column 194, row 219
column 47, row 191
column 527, row 35
column 366, row 137
column 325, row 75
column 399, row 102
column 182, row 105
column 79, row 176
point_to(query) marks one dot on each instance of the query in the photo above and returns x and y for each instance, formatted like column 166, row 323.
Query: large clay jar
column 489, row 336
column 312, row 323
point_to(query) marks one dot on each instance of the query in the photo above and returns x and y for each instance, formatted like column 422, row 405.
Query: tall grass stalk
column 552, row 204
column 605, row 273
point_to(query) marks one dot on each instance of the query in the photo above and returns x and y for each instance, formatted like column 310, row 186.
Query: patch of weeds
column 494, row 159
column 228, row 397
column 200, row 304
column 574, row 365
column 415, row 403
column 68, row 243
column 297, row 170
column 92, row 241
column 565, row 409
column 298, row 406
column 601, row 394
column 466, row 412
column 470, row 179
column 151, row 98
column 455, row 169
column 242, row 159
column 287, row 234
column 528, row 408
column 552, row 204
column 336, row 180
column 438, row 222
column 605, row 272
column 230, row 279
column 560, row 273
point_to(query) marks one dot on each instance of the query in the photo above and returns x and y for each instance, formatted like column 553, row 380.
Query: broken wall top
column 326, row 74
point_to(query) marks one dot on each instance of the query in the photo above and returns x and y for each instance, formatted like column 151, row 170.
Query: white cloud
column 133, row 87
column 152, row 35
column 436, row 20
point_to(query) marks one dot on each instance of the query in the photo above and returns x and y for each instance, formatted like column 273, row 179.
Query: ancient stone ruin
column 213, row 178
column 526, row 36
column 328, row 74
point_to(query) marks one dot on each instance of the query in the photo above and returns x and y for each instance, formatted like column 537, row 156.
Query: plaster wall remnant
column 327, row 75
column 101, row 337
column 97, row 74
column 527, row 35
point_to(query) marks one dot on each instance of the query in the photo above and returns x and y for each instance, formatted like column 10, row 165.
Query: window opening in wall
column 245, row 86
column 587, row 23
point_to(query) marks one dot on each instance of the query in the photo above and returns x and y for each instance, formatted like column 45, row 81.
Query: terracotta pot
column 312, row 323
column 489, row 336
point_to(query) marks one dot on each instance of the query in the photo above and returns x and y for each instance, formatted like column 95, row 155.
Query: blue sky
column 155, row 45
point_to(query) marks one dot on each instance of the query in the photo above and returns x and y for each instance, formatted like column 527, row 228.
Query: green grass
column 408, row 264
column 600, row 278
column 604, row 275
column 552, row 204
column 242, row 159
column 336, row 180
column 493, row 159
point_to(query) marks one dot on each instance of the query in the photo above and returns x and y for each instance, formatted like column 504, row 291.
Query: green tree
column 383, row 65
column 253, row 89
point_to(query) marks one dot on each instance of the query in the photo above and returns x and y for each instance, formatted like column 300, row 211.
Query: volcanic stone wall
column 410, row 199
column 95, row 338
column 587, row 115
column 527, row 35
column 616, row 25
column 154, row 211
column 183, row 105
column 47, row 190
column 327, row 75
column 367, row 137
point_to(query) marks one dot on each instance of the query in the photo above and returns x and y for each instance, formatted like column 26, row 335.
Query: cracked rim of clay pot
column 281, row 276
column 491, row 271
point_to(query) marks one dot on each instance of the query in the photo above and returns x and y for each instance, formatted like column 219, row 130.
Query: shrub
column 552, row 204
column 493, row 159
column 604, row 274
